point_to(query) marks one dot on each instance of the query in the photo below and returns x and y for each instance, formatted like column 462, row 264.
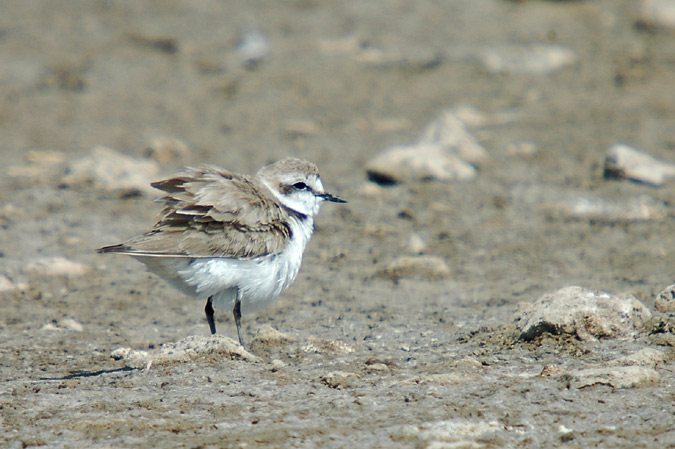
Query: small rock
column 551, row 371
column 377, row 367
column 71, row 324
column 421, row 162
column 132, row 357
column 657, row 14
column 537, row 59
column 253, row 48
column 269, row 336
column 340, row 379
column 445, row 152
column 424, row 267
column 277, row 364
column 166, row 150
column 665, row 301
column 585, row 313
column 112, row 171
column 63, row 325
column 449, row 132
column 624, row 162
column 615, row 377
column 57, row 266
column 197, row 346
column 415, row 244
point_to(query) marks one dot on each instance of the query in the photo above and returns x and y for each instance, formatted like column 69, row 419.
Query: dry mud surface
column 365, row 358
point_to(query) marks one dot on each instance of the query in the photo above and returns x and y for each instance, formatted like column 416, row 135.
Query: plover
column 234, row 239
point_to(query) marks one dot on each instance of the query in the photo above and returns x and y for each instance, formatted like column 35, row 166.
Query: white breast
column 260, row 280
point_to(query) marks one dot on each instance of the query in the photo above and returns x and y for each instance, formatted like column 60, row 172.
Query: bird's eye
column 300, row 186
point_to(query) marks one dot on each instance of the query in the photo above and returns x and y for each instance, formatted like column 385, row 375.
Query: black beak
column 331, row 198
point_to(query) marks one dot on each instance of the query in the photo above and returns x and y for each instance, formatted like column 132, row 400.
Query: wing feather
column 211, row 212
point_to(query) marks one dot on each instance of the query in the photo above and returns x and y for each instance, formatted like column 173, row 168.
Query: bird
column 234, row 239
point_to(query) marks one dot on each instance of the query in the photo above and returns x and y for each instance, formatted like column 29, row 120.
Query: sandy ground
column 370, row 361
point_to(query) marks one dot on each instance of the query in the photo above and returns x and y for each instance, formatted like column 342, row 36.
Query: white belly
column 260, row 281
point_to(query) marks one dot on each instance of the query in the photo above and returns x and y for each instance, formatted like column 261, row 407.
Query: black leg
column 237, row 317
column 209, row 314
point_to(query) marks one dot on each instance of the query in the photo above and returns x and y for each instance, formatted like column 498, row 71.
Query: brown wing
column 210, row 212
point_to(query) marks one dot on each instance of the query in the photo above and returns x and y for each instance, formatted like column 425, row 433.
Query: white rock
column 446, row 152
column 132, row 357
column 623, row 161
column 196, row 346
column 616, row 377
column 425, row 267
column 421, row 162
column 340, row 379
column 253, row 47
column 113, row 171
column 449, row 132
column 415, row 244
column 665, row 301
column 269, row 336
column 537, row 59
column 585, row 313
column 657, row 14
column 57, row 266
column 71, row 324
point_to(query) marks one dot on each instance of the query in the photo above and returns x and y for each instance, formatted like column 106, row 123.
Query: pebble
column 63, row 325
column 57, row 266
column 665, row 301
column 71, row 324
column 415, row 244
column 624, row 162
column 269, row 336
column 423, row 267
column 109, row 170
column 657, row 14
column 536, row 59
column 340, row 379
column 445, row 152
column 132, row 357
column 584, row 313
column 253, row 48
